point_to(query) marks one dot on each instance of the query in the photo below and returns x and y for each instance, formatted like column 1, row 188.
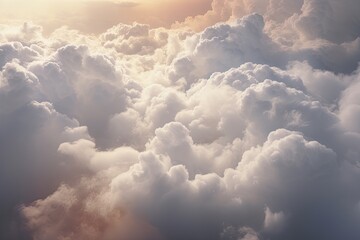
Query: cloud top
column 241, row 123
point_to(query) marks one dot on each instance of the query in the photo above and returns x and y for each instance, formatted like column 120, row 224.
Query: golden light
column 97, row 15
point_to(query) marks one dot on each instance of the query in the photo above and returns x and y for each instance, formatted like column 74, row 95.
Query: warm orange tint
column 95, row 16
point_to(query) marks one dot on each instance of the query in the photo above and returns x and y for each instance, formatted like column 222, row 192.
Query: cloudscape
column 179, row 119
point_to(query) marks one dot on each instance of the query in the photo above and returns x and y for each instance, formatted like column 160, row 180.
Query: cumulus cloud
column 135, row 39
column 245, row 129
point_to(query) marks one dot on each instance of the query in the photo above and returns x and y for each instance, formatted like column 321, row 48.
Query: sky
column 96, row 16
column 173, row 120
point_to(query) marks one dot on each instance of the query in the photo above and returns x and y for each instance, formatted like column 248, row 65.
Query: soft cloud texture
column 245, row 129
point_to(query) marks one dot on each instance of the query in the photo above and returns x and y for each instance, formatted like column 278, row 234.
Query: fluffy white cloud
column 223, row 46
column 286, row 173
column 309, row 19
column 248, row 129
column 350, row 107
column 134, row 39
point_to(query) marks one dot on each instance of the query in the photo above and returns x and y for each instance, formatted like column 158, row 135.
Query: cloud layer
column 246, row 129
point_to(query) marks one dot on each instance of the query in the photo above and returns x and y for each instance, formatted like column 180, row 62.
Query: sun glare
column 84, row 15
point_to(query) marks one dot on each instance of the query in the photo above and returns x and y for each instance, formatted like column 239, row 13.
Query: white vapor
column 247, row 129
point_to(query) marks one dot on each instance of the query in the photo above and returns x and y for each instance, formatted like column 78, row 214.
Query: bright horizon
column 95, row 16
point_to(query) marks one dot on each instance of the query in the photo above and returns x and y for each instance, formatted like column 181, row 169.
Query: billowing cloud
column 241, row 123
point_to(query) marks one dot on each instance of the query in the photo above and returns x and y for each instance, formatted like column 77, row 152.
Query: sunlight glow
column 95, row 16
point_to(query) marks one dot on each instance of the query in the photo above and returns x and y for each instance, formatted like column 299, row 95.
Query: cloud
column 349, row 107
column 157, row 187
column 244, row 233
column 273, row 221
column 223, row 46
column 134, row 39
column 247, row 128
column 309, row 19
column 90, row 223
